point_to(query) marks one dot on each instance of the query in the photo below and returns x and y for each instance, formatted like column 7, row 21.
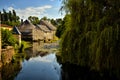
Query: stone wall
column 7, row 54
column 0, row 45
column 37, row 34
column 0, row 41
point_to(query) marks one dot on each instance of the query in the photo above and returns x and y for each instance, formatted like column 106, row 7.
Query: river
column 40, row 68
column 40, row 63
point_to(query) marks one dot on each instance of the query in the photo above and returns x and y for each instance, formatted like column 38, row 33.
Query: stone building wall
column 0, row 41
column 0, row 50
column 37, row 35
column 7, row 54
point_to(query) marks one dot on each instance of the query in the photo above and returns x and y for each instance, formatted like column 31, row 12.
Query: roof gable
column 26, row 25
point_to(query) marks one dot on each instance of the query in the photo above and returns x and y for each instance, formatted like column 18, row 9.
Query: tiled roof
column 16, row 31
column 48, row 24
column 26, row 25
column 43, row 28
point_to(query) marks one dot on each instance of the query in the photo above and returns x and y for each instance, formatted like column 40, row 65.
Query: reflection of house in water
column 42, row 31
column 41, row 48
column 37, row 46
column 33, row 51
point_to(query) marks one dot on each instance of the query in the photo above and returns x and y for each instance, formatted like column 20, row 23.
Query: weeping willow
column 92, row 36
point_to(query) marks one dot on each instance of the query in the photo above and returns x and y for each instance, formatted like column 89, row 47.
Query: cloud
column 52, row 0
column 31, row 11
column 10, row 8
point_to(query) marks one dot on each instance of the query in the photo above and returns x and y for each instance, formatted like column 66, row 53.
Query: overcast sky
column 38, row 8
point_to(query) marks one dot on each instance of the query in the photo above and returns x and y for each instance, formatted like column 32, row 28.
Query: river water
column 41, row 63
column 40, row 68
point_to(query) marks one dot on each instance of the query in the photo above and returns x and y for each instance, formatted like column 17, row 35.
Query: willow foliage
column 93, row 36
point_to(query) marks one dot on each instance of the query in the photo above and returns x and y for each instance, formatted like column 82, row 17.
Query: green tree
column 10, row 18
column 0, row 15
column 44, row 18
column 14, row 17
column 62, row 25
column 93, row 38
column 58, row 21
column 53, row 22
column 33, row 19
column 5, row 15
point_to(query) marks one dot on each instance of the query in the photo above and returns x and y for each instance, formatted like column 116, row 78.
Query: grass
column 24, row 45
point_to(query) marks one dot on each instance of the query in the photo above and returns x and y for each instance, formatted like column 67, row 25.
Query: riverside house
column 48, row 29
column 30, row 32
column 42, row 31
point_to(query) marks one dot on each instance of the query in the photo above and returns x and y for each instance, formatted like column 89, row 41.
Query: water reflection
column 40, row 68
column 9, row 71
column 40, row 48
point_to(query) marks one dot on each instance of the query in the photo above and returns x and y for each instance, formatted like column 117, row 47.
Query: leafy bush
column 23, row 46
column 7, row 38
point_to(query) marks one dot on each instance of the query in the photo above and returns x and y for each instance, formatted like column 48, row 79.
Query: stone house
column 30, row 32
column 42, row 31
column 48, row 29
column 46, row 32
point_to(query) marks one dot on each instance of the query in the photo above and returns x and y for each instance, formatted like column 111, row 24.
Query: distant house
column 4, row 26
column 48, row 29
column 30, row 31
column 17, row 34
column 42, row 31
column 46, row 32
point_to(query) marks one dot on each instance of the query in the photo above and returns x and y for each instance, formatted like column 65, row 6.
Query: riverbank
column 8, row 68
column 7, row 54
column 70, row 71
